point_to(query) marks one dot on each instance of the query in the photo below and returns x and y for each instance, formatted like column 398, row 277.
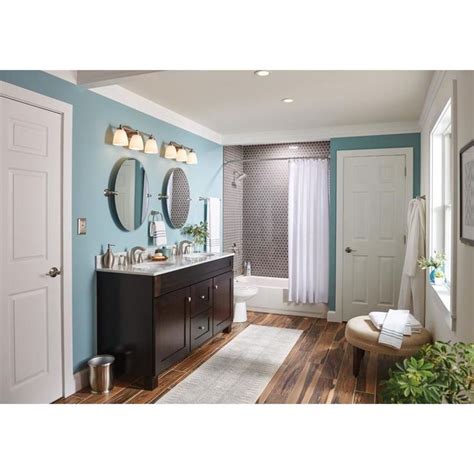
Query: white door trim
column 26, row 96
column 340, row 157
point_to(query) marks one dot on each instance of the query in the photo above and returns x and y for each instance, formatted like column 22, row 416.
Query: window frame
column 443, row 127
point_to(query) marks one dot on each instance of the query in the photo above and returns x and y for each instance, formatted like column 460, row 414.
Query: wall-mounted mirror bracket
column 110, row 193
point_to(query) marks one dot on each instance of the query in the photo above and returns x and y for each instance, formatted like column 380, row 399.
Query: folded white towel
column 393, row 327
column 158, row 232
column 413, row 325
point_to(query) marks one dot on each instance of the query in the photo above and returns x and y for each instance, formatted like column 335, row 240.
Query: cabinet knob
column 216, row 287
column 201, row 328
column 189, row 299
column 203, row 297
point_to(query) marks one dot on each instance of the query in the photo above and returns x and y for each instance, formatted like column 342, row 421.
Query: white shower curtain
column 308, row 231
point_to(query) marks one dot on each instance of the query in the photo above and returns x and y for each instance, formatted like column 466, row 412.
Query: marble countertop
column 151, row 268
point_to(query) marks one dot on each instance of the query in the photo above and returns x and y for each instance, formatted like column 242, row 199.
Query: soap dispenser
column 108, row 259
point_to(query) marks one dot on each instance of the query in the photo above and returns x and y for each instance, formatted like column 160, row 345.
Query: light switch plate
column 81, row 226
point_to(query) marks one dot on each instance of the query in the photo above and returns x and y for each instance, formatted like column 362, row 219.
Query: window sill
column 444, row 295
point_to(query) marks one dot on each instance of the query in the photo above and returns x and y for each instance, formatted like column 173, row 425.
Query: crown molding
column 137, row 102
column 431, row 93
column 322, row 133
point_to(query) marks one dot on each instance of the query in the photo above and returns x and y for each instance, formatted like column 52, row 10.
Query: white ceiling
column 240, row 103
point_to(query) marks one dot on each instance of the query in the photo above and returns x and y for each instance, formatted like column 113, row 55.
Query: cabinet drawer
column 201, row 297
column 201, row 328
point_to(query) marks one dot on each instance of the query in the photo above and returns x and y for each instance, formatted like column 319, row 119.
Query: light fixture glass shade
column 120, row 137
column 136, row 142
column 170, row 152
column 182, row 155
column 192, row 158
column 151, row 146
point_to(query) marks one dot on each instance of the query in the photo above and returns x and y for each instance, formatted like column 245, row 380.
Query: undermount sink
column 195, row 256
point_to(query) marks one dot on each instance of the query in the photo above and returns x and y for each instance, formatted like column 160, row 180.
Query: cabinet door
column 223, row 294
column 171, row 316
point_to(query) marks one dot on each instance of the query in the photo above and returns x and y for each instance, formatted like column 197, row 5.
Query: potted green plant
column 199, row 234
column 435, row 262
column 439, row 373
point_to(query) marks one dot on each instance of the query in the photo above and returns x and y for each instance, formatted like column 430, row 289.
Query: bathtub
column 272, row 297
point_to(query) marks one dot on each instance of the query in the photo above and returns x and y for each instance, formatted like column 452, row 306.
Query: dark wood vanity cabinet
column 151, row 322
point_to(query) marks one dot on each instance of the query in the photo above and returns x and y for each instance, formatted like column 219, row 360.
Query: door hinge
column 405, row 171
column 405, row 239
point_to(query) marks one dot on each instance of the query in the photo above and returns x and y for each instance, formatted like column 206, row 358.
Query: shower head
column 237, row 178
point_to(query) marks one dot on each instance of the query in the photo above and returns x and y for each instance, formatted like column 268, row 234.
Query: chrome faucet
column 133, row 255
column 184, row 247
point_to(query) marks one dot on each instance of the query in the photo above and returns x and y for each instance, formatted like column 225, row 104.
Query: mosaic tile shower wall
column 233, row 205
column 265, row 204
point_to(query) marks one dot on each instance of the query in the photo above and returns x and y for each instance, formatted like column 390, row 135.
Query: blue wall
column 93, row 160
column 406, row 140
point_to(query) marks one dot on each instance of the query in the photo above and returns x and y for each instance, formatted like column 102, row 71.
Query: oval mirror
column 133, row 194
column 177, row 203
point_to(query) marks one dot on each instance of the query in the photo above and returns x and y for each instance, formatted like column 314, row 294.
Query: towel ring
column 156, row 213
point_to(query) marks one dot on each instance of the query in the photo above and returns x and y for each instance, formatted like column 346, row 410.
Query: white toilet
column 243, row 291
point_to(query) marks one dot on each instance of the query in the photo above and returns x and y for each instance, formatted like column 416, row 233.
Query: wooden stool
column 362, row 335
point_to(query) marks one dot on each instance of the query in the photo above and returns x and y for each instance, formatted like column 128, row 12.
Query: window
column 441, row 191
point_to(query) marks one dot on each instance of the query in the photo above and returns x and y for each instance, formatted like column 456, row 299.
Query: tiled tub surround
column 233, row 200
column 265, row 204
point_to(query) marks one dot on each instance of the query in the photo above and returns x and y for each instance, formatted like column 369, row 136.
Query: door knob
column 201, row 328
column 53, row 272
column 349, row 250
column 189, row 299
column 203, row 297
column 216, row 287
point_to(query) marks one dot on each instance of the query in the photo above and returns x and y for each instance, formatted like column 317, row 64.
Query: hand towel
column 158, row 232
column 413, row 325
column 213, row 218
column 393, row 327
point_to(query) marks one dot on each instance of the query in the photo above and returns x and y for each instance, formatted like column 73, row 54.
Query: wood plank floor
column 317, row 370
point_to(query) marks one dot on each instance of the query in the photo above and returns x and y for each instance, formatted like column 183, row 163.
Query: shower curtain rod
column 279, row 159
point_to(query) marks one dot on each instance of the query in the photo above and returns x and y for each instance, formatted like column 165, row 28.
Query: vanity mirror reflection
column 131, row 194
column 176, row 204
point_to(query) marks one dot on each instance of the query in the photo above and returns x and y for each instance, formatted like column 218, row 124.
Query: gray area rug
column 240, row 371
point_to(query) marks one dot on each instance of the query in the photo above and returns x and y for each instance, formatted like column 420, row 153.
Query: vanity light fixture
column 136, row 142
column 151, row 147
column 170, row 152
column 120, row 137
column 182, row 155
column 293, row 147
column 133, row 139
column 262, row 73
column 287, row 100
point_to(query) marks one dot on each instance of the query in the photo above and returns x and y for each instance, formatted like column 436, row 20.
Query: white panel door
column 373, row 236
column 30, row 245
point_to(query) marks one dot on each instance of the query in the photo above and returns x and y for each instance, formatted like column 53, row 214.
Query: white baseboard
column 81, row 379
column 333, row 317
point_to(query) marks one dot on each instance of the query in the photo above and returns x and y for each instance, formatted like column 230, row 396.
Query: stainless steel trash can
column 101, row 375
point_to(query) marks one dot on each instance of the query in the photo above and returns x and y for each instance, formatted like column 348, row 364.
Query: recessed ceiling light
column 262, row 73
column 287, row 100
